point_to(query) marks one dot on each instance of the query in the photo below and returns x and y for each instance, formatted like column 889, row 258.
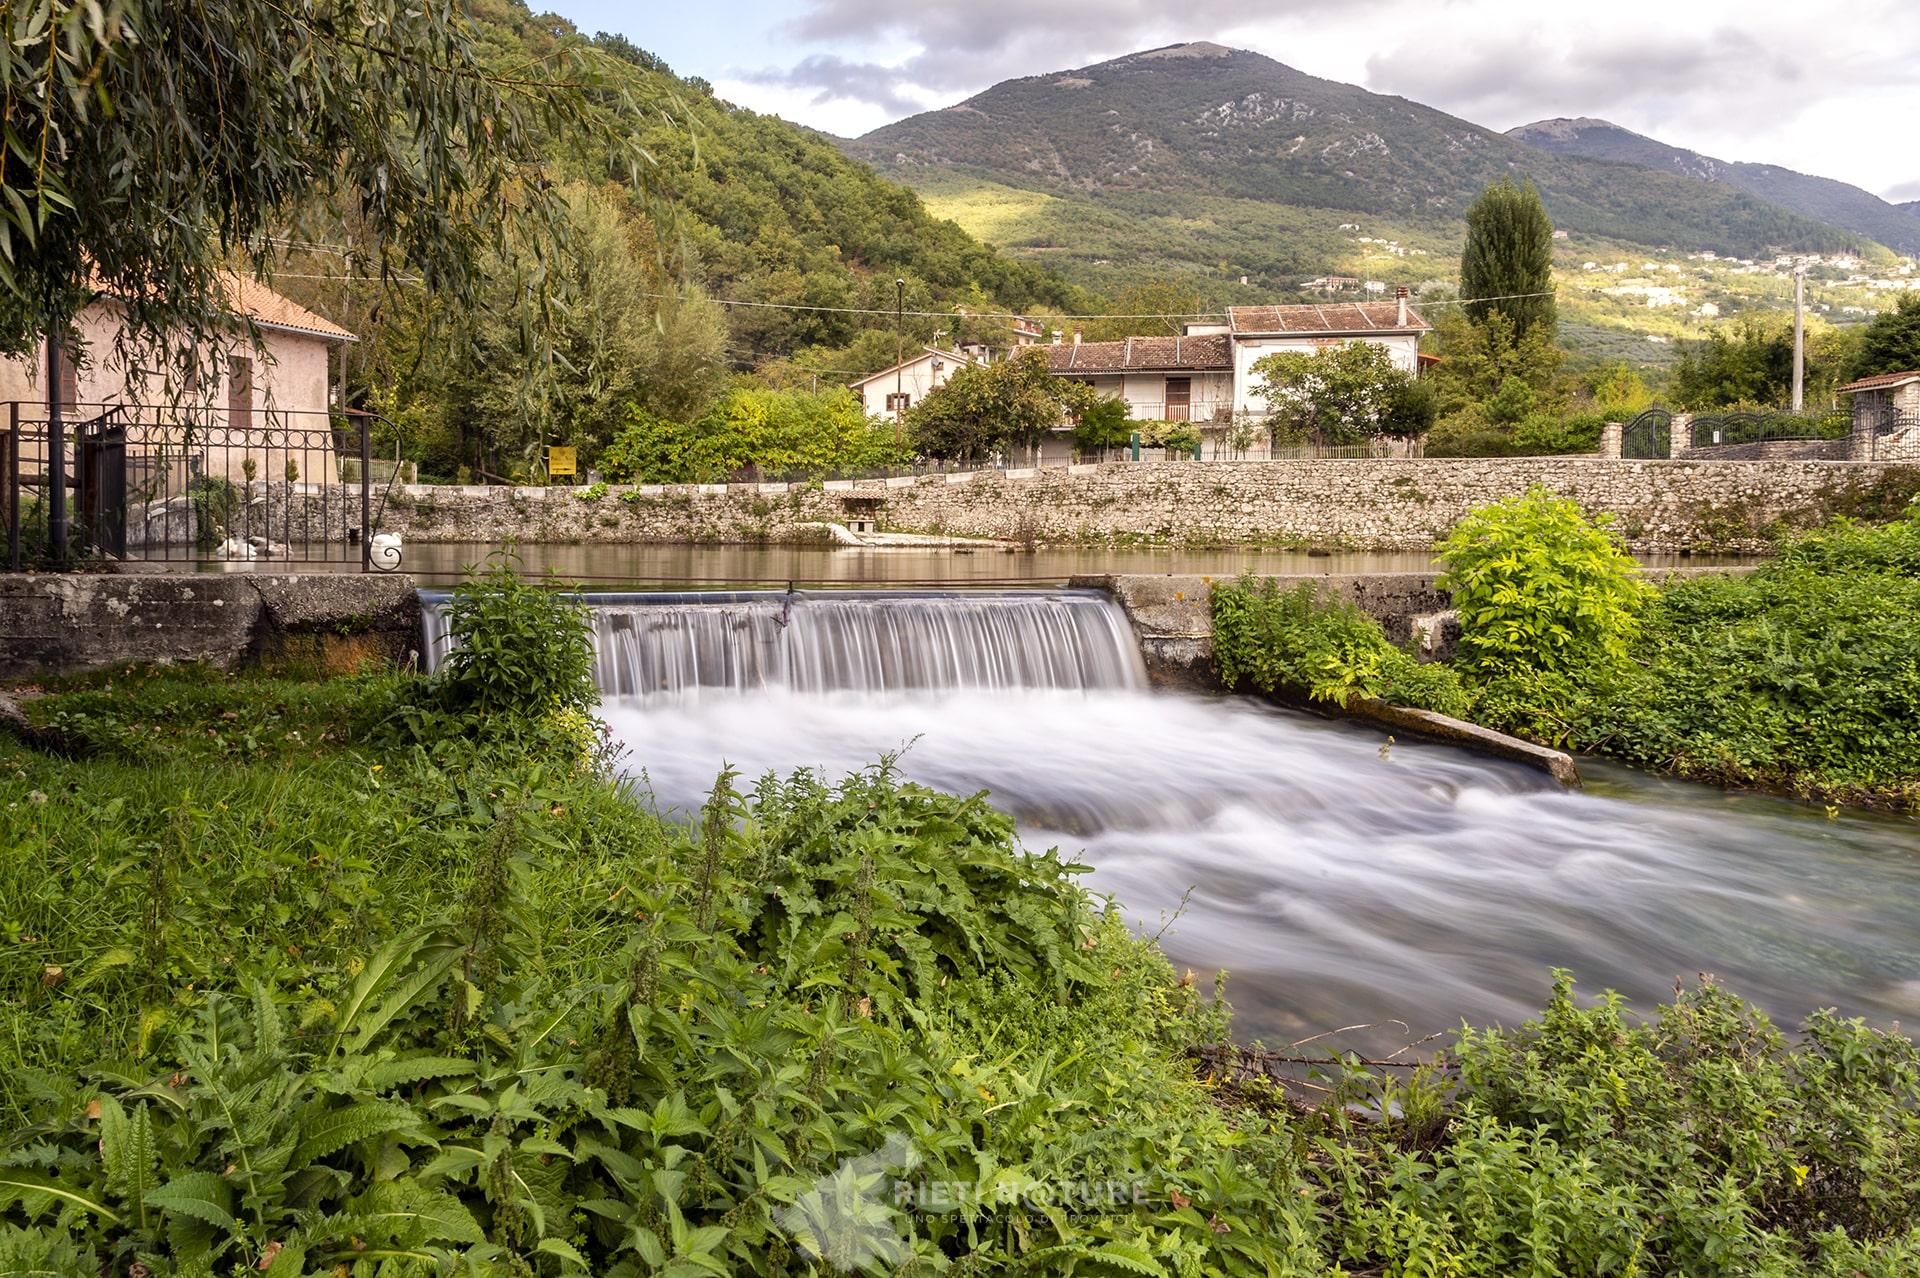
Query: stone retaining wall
column 1384, row 504
column 66, row 623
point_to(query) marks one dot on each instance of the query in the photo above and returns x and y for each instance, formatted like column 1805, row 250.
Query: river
column 1342, row 880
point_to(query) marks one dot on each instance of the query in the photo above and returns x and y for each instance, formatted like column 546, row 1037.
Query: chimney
column 1056, row 337
column 1400, row 297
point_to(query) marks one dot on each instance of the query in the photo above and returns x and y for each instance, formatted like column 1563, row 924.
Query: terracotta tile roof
column 1328, row 317
column 1142, row 354
column 1882, row 382
column 251, row 298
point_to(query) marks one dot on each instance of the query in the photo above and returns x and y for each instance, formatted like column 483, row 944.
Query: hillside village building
column 892, row 391
column 1206, row 374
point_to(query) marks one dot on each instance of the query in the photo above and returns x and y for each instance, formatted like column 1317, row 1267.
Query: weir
column 884, row 641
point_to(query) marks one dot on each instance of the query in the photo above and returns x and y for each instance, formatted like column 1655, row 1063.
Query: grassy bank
column 370, row 976
column 1802, row 677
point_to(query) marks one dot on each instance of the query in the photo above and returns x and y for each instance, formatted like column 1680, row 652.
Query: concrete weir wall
column 66, row 623
column 1171, row 620
column 1383, row 504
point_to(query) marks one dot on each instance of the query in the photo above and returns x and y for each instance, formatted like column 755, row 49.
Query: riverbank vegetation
column 1801, row 677
column 289, row 991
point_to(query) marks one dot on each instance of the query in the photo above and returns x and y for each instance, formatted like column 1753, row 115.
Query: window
column 239, row 392
column 899, row 403
column 69, row 383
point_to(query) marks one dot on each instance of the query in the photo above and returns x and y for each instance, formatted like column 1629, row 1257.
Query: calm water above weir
column 689, row 566
column 1340, row 882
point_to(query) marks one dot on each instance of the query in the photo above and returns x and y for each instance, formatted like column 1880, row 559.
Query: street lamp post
column 899, row 356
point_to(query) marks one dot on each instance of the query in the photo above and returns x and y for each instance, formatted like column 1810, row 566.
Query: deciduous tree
column 984, row 408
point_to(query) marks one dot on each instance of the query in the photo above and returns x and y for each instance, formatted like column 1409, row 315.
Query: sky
column 1824, row 87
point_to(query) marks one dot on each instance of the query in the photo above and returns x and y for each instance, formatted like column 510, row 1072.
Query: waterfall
column 668, row 645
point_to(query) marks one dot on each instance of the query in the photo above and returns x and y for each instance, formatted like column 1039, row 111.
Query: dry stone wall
column 1385, row 504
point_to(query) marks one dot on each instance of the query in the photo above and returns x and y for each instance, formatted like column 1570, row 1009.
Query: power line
column 1169, row 315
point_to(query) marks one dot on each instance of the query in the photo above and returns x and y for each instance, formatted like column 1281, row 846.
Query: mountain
column 1822, row 198
column 1221, row 159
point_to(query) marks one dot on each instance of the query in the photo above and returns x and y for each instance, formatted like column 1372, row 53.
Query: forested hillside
column 1835, row 202
column 736, row 206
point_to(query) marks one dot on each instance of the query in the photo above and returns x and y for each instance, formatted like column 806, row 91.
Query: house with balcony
column 1206, row 374
column 1178, row 379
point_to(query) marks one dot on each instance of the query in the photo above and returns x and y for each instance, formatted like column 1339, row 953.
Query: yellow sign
column 561, row 461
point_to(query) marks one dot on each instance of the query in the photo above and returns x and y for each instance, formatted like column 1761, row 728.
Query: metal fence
column 1894, row 436
column 195, row 487
column 1761, row 426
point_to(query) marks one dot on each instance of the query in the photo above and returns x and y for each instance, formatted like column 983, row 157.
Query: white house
column 1177, row 379
column 892, row 391
column 1257, row 331
column 1207, row 374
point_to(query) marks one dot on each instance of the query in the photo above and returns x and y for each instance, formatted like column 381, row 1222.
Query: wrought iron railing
column 189, row 486
column 1761, row 426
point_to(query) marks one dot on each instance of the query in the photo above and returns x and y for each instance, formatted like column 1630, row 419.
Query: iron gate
column 193, row 487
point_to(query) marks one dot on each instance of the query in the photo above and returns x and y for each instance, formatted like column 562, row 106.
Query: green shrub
column 1545, row 434
column 1845, row 546
column 1540, row 588
column 1325, row 649
column 779, row 432
column 214, row 502
column 1468, row 433
column 520, row 651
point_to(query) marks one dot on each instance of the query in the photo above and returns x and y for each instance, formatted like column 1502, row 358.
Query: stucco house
column 1178, row 379
column 1207, row 373
column 893, row 390
column 285, row 383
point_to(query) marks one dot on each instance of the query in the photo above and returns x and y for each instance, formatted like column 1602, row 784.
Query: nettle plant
column 519, row 649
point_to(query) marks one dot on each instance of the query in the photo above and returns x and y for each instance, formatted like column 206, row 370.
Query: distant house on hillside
column 893, row 390
column 1207, row 373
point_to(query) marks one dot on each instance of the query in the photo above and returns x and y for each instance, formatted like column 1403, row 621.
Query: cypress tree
column 1509, row 252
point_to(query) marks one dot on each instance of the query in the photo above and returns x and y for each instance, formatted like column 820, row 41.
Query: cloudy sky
column 1823, row 86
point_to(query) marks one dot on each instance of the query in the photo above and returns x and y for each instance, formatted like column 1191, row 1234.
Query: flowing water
column 1342, row 881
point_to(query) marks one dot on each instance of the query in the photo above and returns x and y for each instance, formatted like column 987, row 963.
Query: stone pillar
column 1680, row 434
column 1860, row 442
column 1611, row 436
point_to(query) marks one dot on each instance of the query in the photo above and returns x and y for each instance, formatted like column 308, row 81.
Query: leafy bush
column 1799, row 678
column 1540, row 588
column 779, row 432
column 214, row 502
column 1467, row 433
column 1106, row 423
column 520, row 651
column 986, row 409
column 1325, row 649
column 1341, row 394
column 1545, row 434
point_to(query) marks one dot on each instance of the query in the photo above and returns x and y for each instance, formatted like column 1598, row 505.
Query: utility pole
column 1799, row 336
column 899, row 354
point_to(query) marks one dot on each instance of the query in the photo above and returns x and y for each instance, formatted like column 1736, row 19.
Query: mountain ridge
column 1825, row 199
column 1203, row 119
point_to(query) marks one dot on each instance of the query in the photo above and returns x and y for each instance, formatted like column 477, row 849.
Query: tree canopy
column 150, row 147
column 1507, row 265
column 1341, row 394
column 1891, row 343
column 983, row 408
